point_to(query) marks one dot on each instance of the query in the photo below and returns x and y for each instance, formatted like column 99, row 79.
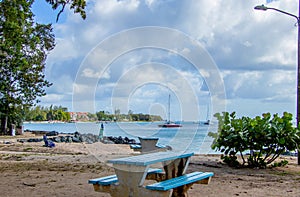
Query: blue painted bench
column 158, row 145
column 187, row 179
column 136, row 147
column 108, row 180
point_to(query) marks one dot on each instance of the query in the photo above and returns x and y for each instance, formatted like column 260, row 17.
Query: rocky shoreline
column 76, row 137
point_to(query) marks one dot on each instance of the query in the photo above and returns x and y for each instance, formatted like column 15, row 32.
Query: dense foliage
column 264, row 137
column 24, row 46
column 117, row 116
column 59, row 113
column 40, row 113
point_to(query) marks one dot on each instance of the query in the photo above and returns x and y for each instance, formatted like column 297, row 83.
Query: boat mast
column 169, row 113
column 207, row 112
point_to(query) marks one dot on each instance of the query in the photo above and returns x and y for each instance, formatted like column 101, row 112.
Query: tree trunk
column 4, row 125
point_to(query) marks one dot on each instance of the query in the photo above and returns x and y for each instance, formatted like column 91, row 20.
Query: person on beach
column 101, row 131
column 48, row 143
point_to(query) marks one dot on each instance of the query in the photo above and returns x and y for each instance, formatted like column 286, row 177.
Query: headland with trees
column 61, row 114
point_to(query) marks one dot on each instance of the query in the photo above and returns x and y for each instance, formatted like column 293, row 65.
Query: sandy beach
column 30, row 169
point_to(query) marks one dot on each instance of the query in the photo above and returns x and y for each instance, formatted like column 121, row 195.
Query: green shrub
column 266, row 137
column 230, row 160
column 280, row 164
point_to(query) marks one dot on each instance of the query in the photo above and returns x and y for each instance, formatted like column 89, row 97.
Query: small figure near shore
column 101, row 131
column 48, row 143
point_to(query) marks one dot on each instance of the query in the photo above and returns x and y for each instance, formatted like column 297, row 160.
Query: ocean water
column 191, row 136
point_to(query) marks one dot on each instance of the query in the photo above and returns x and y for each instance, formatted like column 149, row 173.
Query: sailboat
column 169, row 124
column 207, row 122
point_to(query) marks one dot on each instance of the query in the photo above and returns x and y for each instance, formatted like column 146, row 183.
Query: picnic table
column 149, row 144
column 131, row 173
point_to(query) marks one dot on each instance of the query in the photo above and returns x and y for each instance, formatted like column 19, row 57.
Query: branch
column 241, row 153
column 277, row 153
column 61, row 11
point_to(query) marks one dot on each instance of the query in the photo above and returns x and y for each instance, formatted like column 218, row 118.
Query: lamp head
column 261, row 7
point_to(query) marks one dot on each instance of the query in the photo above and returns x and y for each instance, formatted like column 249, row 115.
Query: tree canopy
column 52, row 113
column 24, row 46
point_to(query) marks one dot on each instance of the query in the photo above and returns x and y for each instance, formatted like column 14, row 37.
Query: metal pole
column 298, row 79
column 264, row 8
column 169, row 109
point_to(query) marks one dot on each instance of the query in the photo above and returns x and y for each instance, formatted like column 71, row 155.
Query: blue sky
column 210, row 56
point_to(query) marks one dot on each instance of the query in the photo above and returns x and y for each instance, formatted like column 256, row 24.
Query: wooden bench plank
column 180, row 181
column 108, row 180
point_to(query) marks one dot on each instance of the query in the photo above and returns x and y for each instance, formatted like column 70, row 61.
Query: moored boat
column 169, row 124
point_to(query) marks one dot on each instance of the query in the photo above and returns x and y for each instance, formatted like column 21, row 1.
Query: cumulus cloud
column 255, row 53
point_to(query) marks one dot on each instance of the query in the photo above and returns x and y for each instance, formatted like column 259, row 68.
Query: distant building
column 79, row 116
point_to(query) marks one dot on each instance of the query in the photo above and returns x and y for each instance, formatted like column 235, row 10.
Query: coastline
column 30, row 169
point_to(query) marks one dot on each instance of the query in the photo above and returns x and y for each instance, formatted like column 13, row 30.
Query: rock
column 77, row 134
column 120, row 140
column 52, row 133
column 22, row 140
column 56, row 139
column 75, row 139
column 39, row 132
column 68, row 139
column 79, row 138
column 62, row 139
column 34, row 140
column 106, row 141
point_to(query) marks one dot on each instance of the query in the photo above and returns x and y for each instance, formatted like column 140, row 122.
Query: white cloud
column 284, row 56
column 90, row 73
column 65, row 48
column 255, row 51
column 111, row 8
column 53, row 98
column 261, row 85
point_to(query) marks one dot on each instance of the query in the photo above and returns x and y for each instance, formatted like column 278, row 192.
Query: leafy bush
column 266, row 137
column 280, row 164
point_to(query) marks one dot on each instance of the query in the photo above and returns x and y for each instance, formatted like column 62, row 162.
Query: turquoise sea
column 191, row 136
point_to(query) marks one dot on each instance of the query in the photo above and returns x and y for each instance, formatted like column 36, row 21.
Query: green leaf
column 281, row 141
column 24, row 47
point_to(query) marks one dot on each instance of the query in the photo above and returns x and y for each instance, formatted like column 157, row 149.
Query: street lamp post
column 264, row 8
